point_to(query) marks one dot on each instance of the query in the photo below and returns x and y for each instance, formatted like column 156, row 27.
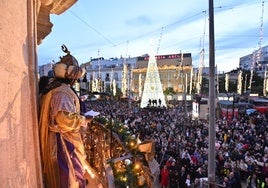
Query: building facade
column 103, row 75
column 44, row 69
column 257, row 60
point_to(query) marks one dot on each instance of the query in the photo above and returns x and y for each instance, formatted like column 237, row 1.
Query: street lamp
column 233, row 106
column 111, row 134
column 111, row 131
column 235, row 100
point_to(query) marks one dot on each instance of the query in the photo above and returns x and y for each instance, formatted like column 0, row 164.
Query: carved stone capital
column 44, row 26
column 59, row 6
column 46, row 2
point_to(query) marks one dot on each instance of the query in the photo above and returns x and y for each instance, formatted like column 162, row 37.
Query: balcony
column 112, row 151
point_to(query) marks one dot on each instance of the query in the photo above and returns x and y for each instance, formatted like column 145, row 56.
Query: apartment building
column 256, row 60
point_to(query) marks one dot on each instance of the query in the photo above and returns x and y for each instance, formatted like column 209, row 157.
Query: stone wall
column 20, row 162
column 19, row 145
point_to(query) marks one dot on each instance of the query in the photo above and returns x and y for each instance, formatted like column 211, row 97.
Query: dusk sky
column 121, row 28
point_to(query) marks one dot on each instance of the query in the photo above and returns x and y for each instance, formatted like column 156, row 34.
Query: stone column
column 19, row 143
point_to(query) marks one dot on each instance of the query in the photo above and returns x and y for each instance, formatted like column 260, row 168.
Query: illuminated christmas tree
column 152, row 92
column 124, row 79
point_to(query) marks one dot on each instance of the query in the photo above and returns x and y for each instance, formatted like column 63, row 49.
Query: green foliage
column 222, row 85
column 256, row 86
column 129, row 176
column 205, row 86
column 169, row 91
column 126, row 178
column 102, row 120
column 257, row 82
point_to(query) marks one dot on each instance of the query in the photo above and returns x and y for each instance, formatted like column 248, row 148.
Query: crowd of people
column 181, row 144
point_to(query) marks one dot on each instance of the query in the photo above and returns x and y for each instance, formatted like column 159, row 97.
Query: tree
column 221, row 84
column 169, row 91
column 257, row 82
column 205, row 86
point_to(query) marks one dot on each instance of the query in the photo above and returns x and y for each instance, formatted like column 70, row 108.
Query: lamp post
column 212, row 134
column 111, row 132
column 233, row 106
column 227, row 109
column 92, row 146
column 111, row 135
column 236, row 99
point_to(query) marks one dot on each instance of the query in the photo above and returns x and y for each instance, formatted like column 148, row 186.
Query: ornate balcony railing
column 110, row 157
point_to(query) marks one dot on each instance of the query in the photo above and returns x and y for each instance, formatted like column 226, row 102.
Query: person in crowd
column 164, row 177
column 62, row 150
column 43, row 82
column 173, row 175
column 83, row 107
column 253, row 181
column 242, row 166
column 197, row 183
column 232, row 180
column 182, row 177
column 237, row 176
column 226, row 183
column 264, row 184
column 264, row 168
column 188, row 181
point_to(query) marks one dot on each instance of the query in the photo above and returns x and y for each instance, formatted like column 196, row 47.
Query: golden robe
column 59, row 125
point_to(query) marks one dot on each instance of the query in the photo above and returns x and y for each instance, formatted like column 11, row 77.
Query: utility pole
column 211, row 153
